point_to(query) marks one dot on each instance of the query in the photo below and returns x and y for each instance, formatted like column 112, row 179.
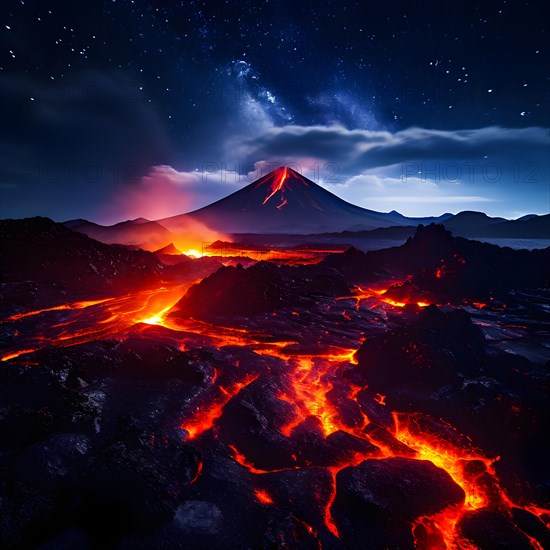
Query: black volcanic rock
column 440, row 365
column 234, row 291
column 355, row 265
column 261, row 288
column 446, row 268
column 43, row 251
column 489, row 529
column 532, row 525
column 25, row 513
column 377, row 500
column 471, row 224
column 439, row 349
column 145, row 483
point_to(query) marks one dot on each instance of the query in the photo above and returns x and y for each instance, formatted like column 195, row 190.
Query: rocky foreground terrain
column 394, row 399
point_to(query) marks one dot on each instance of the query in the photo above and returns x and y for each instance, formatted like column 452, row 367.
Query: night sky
column 117, row 109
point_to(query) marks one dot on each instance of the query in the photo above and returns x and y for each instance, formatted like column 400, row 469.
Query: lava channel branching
column 204, row 417
column 311, row 379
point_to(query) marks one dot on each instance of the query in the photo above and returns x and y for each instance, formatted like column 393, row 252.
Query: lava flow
column 313, row 385
column 377, row 296
column 85, row 321
column 278, row 183
column 203, row 419
column 311, row 381
column 280, row 176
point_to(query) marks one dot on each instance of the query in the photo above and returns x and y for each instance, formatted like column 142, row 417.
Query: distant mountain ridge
column 285, row 202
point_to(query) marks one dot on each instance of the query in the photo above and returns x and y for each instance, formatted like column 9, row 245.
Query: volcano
column 285, row 201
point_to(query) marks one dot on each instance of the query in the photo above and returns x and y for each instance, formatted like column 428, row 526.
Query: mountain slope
column 284, row 201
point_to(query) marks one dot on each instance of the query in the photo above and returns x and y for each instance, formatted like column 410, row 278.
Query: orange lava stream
column 198, row 472
column 447, row 457
column 239, row 458
column 310, row 384
column 74, row 305
column 96, row 319
column 481, row 485
column 310, row 380
column 204, row 417
column 378, row 296
column 14, row 354
column 309, row 397
column 278, row 183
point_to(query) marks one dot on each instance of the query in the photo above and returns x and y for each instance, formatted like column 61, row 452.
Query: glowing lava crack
column 307, row 388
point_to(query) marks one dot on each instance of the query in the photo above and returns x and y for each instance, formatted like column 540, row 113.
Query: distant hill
column 478, row 224
column 286, row 203
column 39, row 249
column 139, row 233
column 168, row 249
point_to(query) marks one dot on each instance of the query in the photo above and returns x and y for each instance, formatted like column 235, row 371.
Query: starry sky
column 116, row 109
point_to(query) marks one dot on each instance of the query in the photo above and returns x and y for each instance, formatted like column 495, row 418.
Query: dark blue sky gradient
column 371, row 98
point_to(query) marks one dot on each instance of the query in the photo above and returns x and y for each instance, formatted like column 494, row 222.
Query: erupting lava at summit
column 279, row 177
column 278, row 183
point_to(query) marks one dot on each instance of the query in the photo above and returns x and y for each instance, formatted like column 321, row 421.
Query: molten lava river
column 310, row 417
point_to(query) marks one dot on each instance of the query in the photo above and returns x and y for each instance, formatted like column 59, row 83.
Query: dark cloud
column 358, row 150
column 74, row 142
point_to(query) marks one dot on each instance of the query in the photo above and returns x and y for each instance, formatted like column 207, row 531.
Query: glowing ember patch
column 378, row 296
column 156, row 319
column 193, row 253
column 346, row 355
column 306, row 526
column 263, row 496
